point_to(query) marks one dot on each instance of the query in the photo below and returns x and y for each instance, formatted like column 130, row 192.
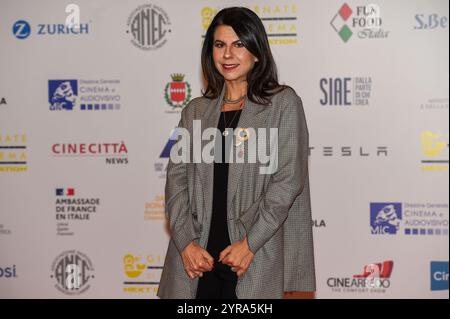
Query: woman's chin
column 231, row 77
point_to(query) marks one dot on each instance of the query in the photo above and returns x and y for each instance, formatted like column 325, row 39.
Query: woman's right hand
column 196, row 260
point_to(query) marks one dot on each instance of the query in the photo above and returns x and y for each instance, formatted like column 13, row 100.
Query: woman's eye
column 238, row 45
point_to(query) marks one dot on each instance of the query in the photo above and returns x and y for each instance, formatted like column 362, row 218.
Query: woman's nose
column 227, row 52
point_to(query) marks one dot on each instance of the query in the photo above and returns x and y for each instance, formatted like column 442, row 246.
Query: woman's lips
column 229, row 67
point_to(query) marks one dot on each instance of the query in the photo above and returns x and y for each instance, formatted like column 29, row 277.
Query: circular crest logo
column 149, row 26
column 21, row 29
column 72, row 272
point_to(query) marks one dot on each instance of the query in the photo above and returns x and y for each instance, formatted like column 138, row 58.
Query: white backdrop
column 86, row 115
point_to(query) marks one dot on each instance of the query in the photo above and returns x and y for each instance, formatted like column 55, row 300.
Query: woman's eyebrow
column 224, row 41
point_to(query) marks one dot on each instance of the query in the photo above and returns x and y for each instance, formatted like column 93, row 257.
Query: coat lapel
column 252, row 116
column 210, row 118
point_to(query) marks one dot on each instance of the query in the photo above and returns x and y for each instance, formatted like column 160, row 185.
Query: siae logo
column 346, row 91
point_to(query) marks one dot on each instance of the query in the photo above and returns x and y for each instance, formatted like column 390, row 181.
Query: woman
column 237, row 232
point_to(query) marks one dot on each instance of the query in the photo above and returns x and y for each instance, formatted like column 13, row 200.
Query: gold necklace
column 233, row 101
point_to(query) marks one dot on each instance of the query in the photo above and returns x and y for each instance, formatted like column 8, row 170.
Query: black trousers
column 219, row 283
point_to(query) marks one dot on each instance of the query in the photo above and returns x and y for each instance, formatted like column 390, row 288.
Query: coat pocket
column 248, row 216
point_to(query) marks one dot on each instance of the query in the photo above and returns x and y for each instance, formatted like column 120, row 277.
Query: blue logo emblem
column 62, row 94
column 21, row 29
column 171, row 142
column 439, row 275
column 385, row 218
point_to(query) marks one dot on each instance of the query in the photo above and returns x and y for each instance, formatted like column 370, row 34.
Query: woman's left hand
column 238, row 256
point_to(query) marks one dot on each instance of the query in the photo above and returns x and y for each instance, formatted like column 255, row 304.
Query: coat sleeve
column 177, row 206
column 263, row 219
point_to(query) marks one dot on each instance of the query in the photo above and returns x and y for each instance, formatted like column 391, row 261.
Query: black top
column 218, row 233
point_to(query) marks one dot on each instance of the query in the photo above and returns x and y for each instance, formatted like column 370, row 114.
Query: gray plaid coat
column 272, row 210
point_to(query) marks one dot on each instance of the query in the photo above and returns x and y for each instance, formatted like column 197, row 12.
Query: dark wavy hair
column 263, row 78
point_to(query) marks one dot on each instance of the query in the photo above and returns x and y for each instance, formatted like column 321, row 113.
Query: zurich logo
column 21, row 29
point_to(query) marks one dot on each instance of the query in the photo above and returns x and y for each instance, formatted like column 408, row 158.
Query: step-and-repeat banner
column 90, row 92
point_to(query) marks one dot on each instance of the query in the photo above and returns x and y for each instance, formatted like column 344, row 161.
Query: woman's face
column 231, row 57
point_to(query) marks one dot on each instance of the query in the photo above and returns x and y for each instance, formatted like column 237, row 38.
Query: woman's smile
column 229, row 67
